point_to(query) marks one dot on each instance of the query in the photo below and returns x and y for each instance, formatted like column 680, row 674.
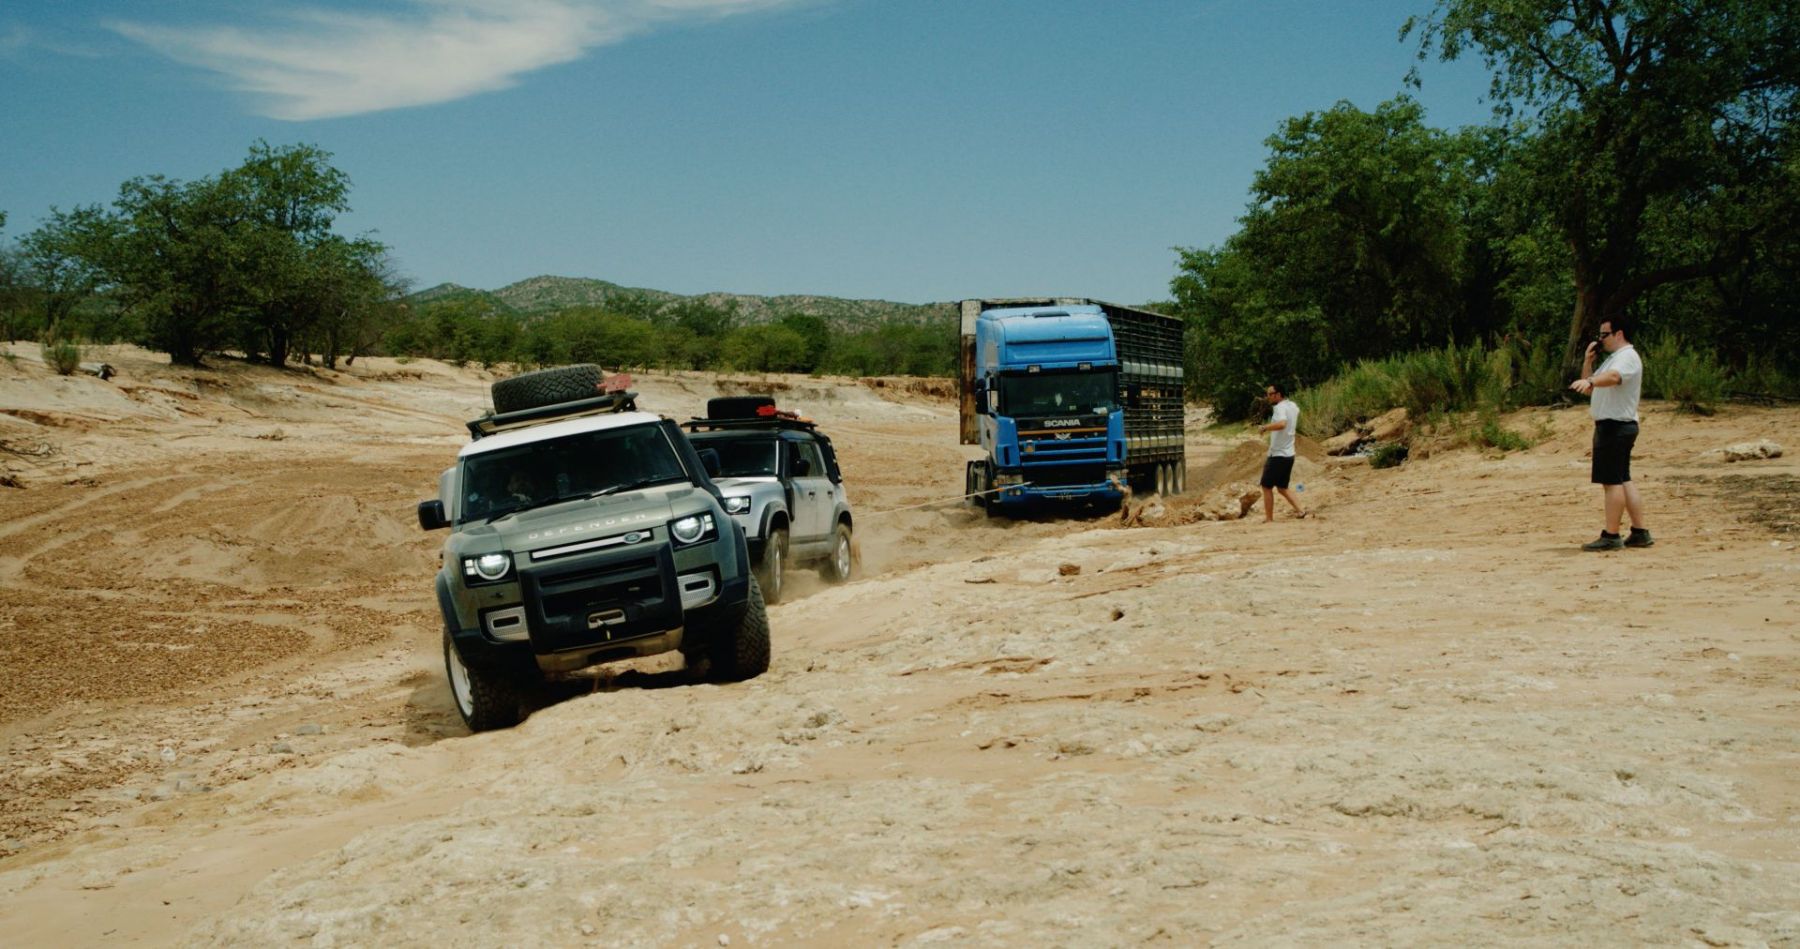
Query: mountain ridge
column 548, row 293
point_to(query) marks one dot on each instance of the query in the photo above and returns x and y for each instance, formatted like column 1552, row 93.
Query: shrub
column 61, row 355
column 1388, row 456
column 1494, row 435
column 1763, row 376
column 1690, row 378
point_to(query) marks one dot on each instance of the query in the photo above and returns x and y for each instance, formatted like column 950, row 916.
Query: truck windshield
column 743, row 457
column 558, row 469
column 1057, row 393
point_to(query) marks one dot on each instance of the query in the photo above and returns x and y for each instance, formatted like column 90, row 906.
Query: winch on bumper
column 619, row 601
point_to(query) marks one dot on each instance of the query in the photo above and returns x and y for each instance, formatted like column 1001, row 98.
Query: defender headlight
column 737, row 504
column 693, row 529
column 489, row 567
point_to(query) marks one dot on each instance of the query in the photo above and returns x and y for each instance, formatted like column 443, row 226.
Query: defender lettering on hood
column 606, row 524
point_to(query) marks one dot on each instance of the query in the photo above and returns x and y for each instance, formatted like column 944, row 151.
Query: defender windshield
column 1058, row 393
column 743, row 457
column 591, row 463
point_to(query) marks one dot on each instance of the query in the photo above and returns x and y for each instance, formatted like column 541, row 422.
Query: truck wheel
column 838, row 566
column 1181, row 477
column 770, row 573
column 741, row 651
column 546, row 387
column 486, row 698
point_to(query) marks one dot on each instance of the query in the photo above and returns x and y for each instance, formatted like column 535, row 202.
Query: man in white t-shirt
column 1278, row 468
column 1615, row 387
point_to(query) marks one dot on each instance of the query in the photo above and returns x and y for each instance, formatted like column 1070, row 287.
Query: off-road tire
column 546, row 387
column 771, row 573
column 485, row 698
column 842, row 560
column 741, row 651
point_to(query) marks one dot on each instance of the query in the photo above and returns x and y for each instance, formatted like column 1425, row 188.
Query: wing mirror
column 431, row 515
column 709, row 459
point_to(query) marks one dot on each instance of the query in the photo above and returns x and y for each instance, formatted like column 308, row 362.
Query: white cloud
column 322, row 64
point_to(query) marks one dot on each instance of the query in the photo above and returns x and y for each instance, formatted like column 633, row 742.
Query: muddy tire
column 842, row 560
column 771, row 573
column 741, row 651
column 486, row 698
column 546, row 387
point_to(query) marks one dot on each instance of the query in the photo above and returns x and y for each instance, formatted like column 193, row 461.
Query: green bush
column 61, row 355
column 1691, row 378
column 1764, row 376
column 1492, row 434
column 1388, row 456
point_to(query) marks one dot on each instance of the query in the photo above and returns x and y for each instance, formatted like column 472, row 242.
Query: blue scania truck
column 1071, row 400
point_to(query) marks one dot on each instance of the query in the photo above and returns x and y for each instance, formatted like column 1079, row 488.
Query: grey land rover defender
column 584, row 531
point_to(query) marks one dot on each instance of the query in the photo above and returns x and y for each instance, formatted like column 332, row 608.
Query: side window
column 815, row 463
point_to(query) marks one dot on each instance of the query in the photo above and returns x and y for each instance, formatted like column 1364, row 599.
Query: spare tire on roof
column 546, row 387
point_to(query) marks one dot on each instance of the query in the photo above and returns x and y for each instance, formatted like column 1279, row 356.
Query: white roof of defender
column 549, row 430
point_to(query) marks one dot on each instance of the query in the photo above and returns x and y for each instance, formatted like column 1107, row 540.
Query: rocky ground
column 1422, row 717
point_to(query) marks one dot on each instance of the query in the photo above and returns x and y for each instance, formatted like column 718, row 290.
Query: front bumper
column 603, row 606
column 1049, row 484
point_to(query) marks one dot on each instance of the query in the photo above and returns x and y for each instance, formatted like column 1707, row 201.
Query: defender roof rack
column 774, row 422
column 607, row 404
column 728, row 412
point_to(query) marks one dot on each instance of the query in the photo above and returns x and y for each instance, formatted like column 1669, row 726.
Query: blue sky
column 910, row 150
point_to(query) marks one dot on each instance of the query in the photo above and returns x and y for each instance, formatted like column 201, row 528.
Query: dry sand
column 1422, row 718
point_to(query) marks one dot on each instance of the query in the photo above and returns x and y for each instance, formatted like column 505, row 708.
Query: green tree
column 173, row 252
column 1363, row 215
column 771, row 348
column 1365, row 234
column 291, row 196
column 1646, row 116
column 815, row 335
column 57, row 263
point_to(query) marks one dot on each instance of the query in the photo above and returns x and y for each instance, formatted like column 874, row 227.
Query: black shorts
column 1277, row 470
column 1612, row 450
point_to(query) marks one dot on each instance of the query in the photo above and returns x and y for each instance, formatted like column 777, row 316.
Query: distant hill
column 549, row 294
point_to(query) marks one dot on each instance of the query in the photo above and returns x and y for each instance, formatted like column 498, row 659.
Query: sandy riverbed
column 1423, row 717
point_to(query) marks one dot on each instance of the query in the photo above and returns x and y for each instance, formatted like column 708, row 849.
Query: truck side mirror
column 709, row 459
column 431, row 515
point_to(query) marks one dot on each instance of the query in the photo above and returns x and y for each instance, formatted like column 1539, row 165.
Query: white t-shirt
column 1281, row 440
column 1619, row 402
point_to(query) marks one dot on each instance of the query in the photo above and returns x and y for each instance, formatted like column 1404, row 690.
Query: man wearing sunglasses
column 1614, row 388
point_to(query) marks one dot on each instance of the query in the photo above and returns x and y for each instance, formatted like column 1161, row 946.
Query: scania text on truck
column 1071, row 400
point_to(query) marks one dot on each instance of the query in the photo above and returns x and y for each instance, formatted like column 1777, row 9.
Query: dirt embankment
column 1423, row 717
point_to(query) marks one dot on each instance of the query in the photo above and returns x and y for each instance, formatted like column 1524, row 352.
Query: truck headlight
column 693, row 529
column 737, row 504
column 487, row 567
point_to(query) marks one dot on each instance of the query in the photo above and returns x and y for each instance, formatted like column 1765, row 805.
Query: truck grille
column 1054, row 476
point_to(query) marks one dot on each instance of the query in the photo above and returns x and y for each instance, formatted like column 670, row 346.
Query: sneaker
column 1640, row 537
column 1604, row 542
